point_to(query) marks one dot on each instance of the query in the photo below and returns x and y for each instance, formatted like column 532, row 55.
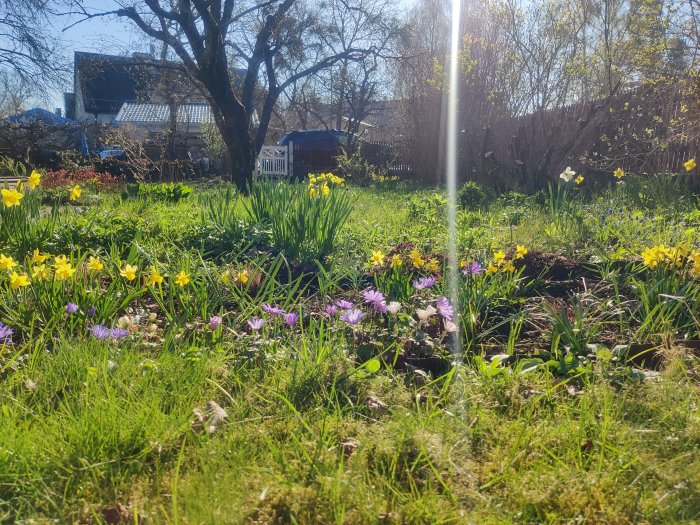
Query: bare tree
column 271, row 37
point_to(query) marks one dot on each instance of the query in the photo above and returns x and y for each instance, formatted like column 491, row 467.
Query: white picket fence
column 275, row 161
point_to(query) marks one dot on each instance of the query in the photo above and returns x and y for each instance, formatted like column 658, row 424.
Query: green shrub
column 165, row 192
column 304, row 224
column 357, row 170
column 471, row 195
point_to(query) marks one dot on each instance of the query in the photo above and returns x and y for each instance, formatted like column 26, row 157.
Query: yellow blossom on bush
column 499, row 257
column 153, row 278
column 60, row 260
column 376, row 259
column 520, row 251
column 41, row 272
column 6, row 263
column 690, row 165
column 11, row 198
column 94, row 264
column 75, row 193
column 619, row 174
column 182, row 278
column 34, row 179
column 129, row 272
column 396, row 261
column 39, row 257
column 416, row 259
column 243, row 277
column 433, row 265
column 64, row 271
column 18, row 280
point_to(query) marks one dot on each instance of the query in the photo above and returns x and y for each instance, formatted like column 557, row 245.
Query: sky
column 101, row 35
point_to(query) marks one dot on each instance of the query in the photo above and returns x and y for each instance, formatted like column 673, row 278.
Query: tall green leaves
column 304, row 226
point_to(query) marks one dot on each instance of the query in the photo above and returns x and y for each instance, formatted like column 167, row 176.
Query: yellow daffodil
column 94, row 264
column 242, row 276
column 619, row 174
column 508, row 267
column 376, row 259
column 153, row 278
column 60, row 260
column 433, row 265
column 652, row 257
column 64, row 271
column 579, row 179
column 18, row 280
column 325, row 190
column 499, row 257
column 520, row 251
column 34, row 179
column 689, row 165
column 491, row 268
column 225, row 276
column 694, row 257
column 396, row 261
column 39, row 257
column 129, row 272
column 75, row 193
column 41, row 272
column 182, row 278
column 312, row 191
column 11, row 198
column 6, row 263
column 416, row 259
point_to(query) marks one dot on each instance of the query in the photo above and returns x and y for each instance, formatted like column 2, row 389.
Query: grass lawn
column 193, row 393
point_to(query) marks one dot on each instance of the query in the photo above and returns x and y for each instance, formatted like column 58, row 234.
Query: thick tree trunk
column 232, row 121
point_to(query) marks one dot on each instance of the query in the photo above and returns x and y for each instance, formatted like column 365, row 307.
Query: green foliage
column 164, row 192
column 356, row 169
column 304, row 227
column 471, row 195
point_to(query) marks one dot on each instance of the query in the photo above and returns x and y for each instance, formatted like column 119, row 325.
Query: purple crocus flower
column 330, row 310
column 291, row 318
column 424, row 282
column 92, row 312
column 255, row 323
column 375, row 299
column 71, row 308
column 444, row 308
column 344, row 305
column 272, row 310
column 473, row 268
column 353, row 316
column 100, row 331
column 5, row 334
column 118, row 333
column 214, row 322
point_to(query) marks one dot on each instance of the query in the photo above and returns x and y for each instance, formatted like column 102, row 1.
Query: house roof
column 40, row 116
column 151, row 113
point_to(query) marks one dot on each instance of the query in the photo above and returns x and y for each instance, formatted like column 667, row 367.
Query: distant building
column 155, row 117
column 102, row 83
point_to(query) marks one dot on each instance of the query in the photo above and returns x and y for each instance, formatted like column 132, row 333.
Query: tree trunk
column 232, row 121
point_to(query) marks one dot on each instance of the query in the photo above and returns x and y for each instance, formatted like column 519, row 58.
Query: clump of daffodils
column 680, row 257
column 321, row 184
column 502, row 263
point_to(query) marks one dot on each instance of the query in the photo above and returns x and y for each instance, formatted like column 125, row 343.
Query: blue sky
column 103, row 35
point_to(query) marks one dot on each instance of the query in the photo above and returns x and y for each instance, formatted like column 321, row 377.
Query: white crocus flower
column 568, row 174
column 424, row 315
column 393, row 307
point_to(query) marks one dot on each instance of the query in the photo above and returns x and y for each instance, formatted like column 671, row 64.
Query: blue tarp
column 47, row 118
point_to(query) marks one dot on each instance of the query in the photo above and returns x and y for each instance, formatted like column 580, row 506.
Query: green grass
column 312, row 435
